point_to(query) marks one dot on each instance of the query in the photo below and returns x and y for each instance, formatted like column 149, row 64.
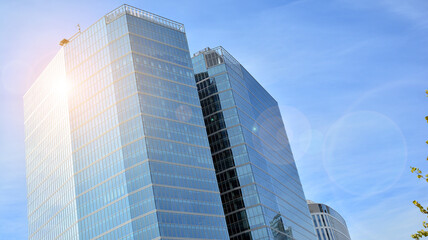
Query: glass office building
column 328, row 223
column 258, row 180
column 116, row 146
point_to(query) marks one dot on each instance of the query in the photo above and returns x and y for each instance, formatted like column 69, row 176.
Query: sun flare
column 62, row 87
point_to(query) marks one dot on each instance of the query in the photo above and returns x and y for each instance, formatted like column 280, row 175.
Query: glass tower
column 116, row 146
column 329, row 224
column 258, row 180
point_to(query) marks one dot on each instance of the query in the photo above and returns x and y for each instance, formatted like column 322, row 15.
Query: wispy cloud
column 414, row 10
column 390, row 218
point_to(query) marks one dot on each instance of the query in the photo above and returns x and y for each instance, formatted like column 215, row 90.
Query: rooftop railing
column 220, row 51
column 126, row 9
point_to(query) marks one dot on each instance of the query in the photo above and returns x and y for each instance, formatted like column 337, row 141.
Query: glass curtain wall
column 260, row 187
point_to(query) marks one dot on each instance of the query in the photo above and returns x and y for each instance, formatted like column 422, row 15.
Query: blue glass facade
column 136, row 155
column 260, row 187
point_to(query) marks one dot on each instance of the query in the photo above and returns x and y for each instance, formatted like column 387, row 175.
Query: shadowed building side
column 260, row 187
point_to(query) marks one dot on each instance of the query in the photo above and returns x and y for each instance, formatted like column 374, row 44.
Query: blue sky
column 349, row 76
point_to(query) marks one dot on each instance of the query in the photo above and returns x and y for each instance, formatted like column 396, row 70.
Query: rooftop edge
column 136, row 12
